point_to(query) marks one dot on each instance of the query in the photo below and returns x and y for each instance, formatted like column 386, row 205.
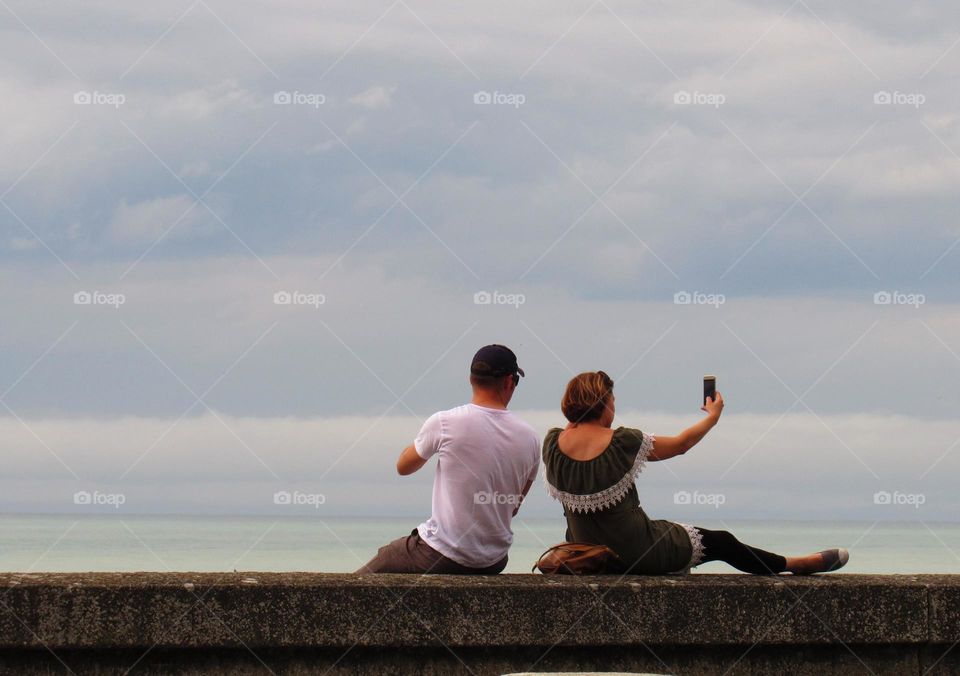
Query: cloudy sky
column 171, row 171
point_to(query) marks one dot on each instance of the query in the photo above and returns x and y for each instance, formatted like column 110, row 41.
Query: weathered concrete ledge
column 323, row 623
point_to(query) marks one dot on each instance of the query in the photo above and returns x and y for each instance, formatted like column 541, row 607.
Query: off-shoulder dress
column 602, row 506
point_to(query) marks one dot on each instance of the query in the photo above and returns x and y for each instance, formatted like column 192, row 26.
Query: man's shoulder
column 463, row 409
column 504, row 416
column 527, row 427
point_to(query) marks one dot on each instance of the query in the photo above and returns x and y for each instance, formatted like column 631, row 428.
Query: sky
column 248, row 248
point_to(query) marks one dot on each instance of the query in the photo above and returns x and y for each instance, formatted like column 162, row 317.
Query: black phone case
column 709, row 389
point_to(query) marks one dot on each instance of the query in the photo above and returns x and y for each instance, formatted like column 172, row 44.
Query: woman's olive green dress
column 601, row 505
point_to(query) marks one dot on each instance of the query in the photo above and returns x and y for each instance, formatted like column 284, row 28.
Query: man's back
column 487, row 459
column 486, row 456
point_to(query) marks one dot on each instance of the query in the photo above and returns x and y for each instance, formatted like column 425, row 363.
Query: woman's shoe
column 831, row 559
column 835, row 559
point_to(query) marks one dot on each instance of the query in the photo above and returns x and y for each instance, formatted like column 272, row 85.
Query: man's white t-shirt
column 486, row 457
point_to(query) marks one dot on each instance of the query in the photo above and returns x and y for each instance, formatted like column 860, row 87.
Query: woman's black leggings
column 720, row 545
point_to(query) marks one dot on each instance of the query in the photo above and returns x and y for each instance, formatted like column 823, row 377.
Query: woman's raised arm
column 669, row 447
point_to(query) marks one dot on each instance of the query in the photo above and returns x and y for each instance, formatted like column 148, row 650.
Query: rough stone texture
column 944, row 610
column 399, row 624
column 733, row 661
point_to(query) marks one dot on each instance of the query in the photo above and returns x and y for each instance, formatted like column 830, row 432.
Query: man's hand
column 409, row 461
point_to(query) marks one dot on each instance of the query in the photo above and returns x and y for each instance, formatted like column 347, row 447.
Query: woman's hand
column 713, row 407
column 668, row 447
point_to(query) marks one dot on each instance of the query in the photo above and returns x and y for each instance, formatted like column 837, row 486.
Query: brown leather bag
column 575, row 558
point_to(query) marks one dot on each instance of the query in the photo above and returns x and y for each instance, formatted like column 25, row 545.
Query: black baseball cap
column 495, row 360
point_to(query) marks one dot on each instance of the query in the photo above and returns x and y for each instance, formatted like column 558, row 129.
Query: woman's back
column 584, row 442
column 592, row 473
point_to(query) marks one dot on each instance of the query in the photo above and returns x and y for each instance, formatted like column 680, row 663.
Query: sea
column 74, row 543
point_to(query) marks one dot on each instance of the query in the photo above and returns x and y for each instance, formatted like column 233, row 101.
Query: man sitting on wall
column 487, row 459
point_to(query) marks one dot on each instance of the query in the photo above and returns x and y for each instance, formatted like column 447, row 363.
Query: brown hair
column 486, row 382
column 586, row 396
column 493, row 383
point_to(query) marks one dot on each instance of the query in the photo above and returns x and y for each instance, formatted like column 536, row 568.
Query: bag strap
column 540, row 558
column 612, row 554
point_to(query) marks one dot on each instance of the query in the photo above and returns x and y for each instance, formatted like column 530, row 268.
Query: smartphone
column 709, row 387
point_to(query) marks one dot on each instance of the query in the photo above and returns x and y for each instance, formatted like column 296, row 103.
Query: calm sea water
column 204, row 543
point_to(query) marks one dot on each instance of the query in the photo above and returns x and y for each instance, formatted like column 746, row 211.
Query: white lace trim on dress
column 608, row 497
column 696, row 547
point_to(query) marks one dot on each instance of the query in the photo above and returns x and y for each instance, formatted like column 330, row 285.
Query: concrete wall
column 392, row 624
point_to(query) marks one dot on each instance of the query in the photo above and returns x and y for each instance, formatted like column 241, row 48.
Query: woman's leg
column 720, row 545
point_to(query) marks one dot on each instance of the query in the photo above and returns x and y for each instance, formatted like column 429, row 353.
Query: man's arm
column 526, row 489
column 409, row 461
column 533, row 472
column 428, row 441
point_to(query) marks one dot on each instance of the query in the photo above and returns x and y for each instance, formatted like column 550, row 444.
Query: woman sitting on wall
column 591, row 469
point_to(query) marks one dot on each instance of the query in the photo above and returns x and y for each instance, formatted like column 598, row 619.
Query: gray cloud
column 599, row 196
column 762, row 465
